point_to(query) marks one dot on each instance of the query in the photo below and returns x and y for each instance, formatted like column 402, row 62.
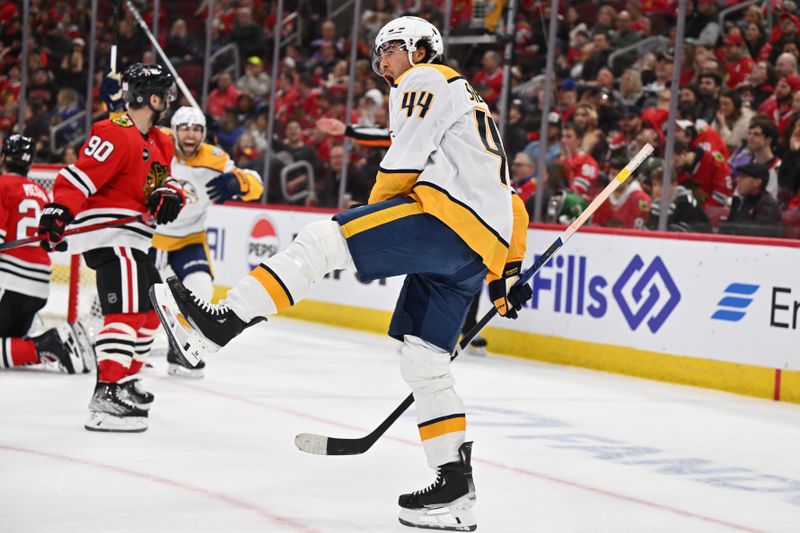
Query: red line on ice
column 523, row 471
column 219, row 496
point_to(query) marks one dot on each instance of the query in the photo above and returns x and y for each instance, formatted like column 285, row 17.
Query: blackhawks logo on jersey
column 122, row 120
column 155, row 178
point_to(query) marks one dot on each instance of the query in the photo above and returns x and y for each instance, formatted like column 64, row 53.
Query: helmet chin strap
column 156, row 112
column 410, row 58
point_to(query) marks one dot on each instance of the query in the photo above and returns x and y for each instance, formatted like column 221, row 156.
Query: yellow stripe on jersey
column 444, row 70
column 439, row 427
column 170, row 244
column 274, row 287
column 384, row 216
column 391, row 184
column 250, row 184
column 208, row 156
column 519, row 237
column 466, row 224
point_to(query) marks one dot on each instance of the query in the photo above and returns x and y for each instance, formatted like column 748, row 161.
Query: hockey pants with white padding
column 284, row 279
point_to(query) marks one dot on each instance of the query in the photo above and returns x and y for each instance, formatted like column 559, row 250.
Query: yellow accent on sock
column 450, row 425
column 273, row 288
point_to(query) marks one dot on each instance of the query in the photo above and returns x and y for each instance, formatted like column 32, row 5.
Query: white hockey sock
column 440, row 411
column 284, row 279
column 201, row 285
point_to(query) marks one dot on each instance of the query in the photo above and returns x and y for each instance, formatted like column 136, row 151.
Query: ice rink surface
column 557, row 449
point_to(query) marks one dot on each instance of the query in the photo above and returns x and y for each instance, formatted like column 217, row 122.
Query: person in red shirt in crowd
column 782, row 33
column 522, row 178
column 777, row 106
column 490, row 77
column 699, row 134
column 628, row 207
column 223, row 97
column 706, row 173
column 737, row 58
column 582, row 169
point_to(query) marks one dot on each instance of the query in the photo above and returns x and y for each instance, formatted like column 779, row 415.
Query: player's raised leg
column 197, row 327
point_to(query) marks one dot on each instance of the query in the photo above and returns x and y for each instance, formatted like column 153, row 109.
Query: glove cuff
column 512, row 269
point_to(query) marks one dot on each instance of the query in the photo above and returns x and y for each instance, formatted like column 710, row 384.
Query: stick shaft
column 73, row 231
column 338, row 446
column 181, row 85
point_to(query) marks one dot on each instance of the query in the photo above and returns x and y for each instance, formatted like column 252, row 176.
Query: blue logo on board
column 645, row 293
column 638, row 295
column 736, row 298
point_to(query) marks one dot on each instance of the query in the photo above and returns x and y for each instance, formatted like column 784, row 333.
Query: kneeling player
column 206, row 174
column 25, row 273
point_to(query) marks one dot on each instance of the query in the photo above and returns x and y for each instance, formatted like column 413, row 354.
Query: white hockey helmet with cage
column 409, row 31
column 188, row 115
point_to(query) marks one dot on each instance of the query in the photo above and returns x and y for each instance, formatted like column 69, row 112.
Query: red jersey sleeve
column 3, row 216
column 100, row 158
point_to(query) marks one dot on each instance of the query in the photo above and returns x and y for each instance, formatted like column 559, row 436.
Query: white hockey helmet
column 409, row 31
column 188, row 115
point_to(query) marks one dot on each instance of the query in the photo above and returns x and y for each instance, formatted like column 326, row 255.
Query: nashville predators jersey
column 193, row 174
column 446, row 153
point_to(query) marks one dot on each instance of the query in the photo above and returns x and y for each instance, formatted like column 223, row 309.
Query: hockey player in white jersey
column 443, row 213
column 207, row 175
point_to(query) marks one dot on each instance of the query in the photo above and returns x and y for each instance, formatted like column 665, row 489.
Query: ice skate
column 180, row 367
column 447, row 503
column 477, row 346
column 86, row 347
column 195, row 327
column 63, row 346
column 110, row 411
column 131, row 390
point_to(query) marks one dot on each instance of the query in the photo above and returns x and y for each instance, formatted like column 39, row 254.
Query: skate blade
column 457, row 516
column 109, row 423
column 88, row 356
column 189, row 342
column 183, row 372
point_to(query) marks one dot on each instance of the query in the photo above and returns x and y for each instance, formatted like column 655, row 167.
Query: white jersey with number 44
column 446, row 152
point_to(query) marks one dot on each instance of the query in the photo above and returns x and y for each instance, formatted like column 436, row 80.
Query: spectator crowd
column 736, row 165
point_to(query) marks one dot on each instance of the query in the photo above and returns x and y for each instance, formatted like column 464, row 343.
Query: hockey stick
column 73, row 231
column 322, row 445
column 113, row 59
column 184, row 89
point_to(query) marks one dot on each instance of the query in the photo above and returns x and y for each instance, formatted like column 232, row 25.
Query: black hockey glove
column 52, row 223
column 224, row 187
column 165, row 203
column 507, row 297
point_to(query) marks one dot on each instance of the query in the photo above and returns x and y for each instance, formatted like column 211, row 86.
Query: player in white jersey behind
column 206, row 174
column 443, row 213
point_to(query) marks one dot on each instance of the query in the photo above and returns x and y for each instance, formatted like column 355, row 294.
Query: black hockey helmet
column 141, row 80
column 18, row 153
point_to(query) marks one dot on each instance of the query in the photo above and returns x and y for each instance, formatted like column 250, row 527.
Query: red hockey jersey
column 629, row 210
column 25, row 269
column 116, row 170
column 711, row 176
column 582, row 172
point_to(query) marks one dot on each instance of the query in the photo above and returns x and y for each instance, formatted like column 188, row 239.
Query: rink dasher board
column 637, row 303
